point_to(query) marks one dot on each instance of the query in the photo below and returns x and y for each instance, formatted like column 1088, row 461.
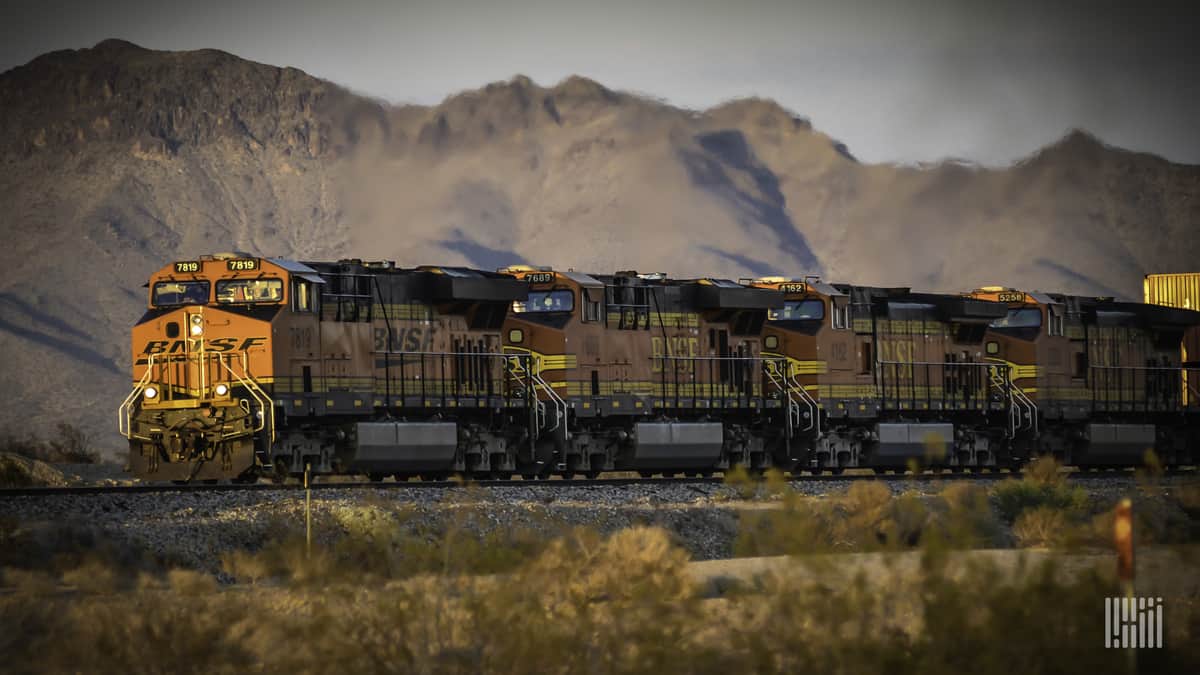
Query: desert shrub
column 376, row 542
column 13, row 473
column 191, row 582
column 92, row 576
column 1188, row 498
column 1043, row 485
column 967, row 519
column 68, row 445
column 624, row 603
column 1040, row 526
column 1045, row 470
column 868, row 517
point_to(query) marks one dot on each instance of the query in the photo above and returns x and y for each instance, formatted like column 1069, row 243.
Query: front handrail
column 125, row 411
column 266, row 405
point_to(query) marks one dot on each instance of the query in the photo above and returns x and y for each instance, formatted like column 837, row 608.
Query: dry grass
column 389, row 595
column 868, row 517
column 586, row 603
column 1041, row 526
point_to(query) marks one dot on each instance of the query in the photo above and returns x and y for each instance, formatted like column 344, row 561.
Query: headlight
column 197, row 324
column 150, row 392
column 221, row 389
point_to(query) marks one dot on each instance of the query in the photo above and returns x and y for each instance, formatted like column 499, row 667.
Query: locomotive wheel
column 375, row 477
column 646, row 474
column 592, row 475
column 248, row 478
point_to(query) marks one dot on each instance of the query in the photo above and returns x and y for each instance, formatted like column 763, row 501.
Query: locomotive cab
column 201, row 406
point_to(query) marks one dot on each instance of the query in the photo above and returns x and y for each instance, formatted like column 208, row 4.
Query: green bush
column 1043, row 485
column 1013, row 497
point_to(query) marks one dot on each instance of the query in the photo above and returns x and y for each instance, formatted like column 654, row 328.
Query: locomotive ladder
column 814, row 420
column 1022, row 411
column 530, row 367
column 785, row 381
column 560, row 406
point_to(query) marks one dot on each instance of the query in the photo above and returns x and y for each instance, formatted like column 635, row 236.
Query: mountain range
column 116, row 160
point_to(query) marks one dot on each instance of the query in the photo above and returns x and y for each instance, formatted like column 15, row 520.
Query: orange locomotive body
column 1100, row 382
column 649, row 374
column 886, row 376
column 246, row 366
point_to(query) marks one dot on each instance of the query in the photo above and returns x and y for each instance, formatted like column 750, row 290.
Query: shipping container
column 1173, row 290
column 1183, row 291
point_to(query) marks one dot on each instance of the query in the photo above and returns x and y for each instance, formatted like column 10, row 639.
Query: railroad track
column 551, row 482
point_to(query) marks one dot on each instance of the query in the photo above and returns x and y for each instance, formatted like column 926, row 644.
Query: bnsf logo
column 224, row 344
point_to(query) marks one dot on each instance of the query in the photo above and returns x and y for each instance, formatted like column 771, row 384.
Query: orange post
column 1123, row 540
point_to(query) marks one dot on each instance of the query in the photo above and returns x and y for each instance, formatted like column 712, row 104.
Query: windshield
column 168, row 293
column 249, row 290
column 795, row 310
column 1028, row 317
column 546, row 301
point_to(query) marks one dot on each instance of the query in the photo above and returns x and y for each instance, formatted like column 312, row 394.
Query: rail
column 744, row 380
column 905, row 385
column 1147, row 389
column 426, row 378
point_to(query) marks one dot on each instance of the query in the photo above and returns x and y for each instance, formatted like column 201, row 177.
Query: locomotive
column 245, row 367
column 249, row 366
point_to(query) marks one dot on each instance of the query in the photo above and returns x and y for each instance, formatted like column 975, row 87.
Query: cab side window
column 840, row 316
column 1055, row 325
column 302, row 296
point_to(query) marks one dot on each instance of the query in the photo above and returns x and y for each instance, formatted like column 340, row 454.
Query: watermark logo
column 1131, row 623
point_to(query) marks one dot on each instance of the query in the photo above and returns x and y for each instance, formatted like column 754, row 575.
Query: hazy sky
column 906, row 80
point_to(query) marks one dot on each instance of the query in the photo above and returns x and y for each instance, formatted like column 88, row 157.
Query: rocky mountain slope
column 116, row 159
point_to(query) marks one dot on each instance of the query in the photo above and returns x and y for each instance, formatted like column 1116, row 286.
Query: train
column 248, row 367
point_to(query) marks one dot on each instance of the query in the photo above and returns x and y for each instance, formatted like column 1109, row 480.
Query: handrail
column 125, row 411
column 560, row 406
column 814, row 407
column 780, row 381
column 1025, row 406
column 260, row 396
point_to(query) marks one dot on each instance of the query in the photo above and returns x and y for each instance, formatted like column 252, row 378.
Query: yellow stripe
column 1019, row 372
column 797, row 367
column 544, row 362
